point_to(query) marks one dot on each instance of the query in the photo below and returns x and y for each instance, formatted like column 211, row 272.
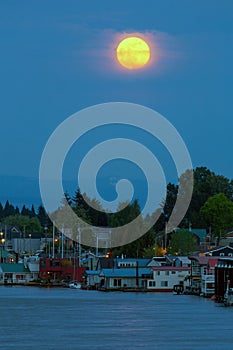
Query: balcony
column 196, row 271
column 208, row 278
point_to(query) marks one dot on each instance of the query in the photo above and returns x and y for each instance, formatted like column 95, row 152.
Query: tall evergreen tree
column 68, row 198
column 95, row 213
column 1, row 212
column 25, row 211
column 32, row 213
column 8, row 209
column 43, row 217
column 17, row 211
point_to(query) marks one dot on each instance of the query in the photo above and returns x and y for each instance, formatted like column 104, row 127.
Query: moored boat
column 75, row 285
column 178, row 289
column 228, row 297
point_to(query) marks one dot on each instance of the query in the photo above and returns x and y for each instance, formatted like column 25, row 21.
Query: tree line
column 211, row 208
column 27, row 220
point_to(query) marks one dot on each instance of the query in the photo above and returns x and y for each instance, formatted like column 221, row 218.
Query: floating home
column 223, row 277
column 164, row 278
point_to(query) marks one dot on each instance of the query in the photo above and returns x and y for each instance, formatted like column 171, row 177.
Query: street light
column 2, row 244
column 3, row 241
column 30, row 236
column 1, row 236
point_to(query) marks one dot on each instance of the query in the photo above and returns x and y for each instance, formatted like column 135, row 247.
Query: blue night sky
column 58, row 57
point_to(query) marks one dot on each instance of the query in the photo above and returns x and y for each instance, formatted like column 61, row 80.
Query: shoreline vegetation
column 211, row 208
column 25, row 232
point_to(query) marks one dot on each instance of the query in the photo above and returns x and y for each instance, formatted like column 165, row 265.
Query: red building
column 61, row 269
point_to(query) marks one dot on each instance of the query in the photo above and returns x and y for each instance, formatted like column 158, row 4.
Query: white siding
column 167, row 279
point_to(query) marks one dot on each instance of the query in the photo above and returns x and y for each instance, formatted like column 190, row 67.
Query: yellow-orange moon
column 133, row 53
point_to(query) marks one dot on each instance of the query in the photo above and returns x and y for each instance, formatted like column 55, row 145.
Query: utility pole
column 165, row 236
column 24, row 238
column 62, row 242
column 79, row 245
column 53, row 240
column 97, row 245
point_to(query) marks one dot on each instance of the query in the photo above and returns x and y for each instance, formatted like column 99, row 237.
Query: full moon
column 133, row 53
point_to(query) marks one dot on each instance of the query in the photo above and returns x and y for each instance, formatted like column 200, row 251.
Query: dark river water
column 40, row 318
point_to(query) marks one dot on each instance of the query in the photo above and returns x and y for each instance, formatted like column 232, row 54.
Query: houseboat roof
column 141, row 262
column 129, row 272
column 229, row 233
column 6, row 254
column 170, row 258
column 92, row 272
column 225, row 258
column 7, row 267
column 204, row 260
column 212, row 262
column 225, row 262
column 170, row 268
column 184, row 259
column 216, row 249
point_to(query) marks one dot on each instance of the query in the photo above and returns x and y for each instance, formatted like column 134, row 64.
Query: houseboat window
column 222, row 254
column 157, row 273
column 229, row 254
column 167, row 273
column 152, row 283
column 117, row 282
column 164, row 283
column 173, row 272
